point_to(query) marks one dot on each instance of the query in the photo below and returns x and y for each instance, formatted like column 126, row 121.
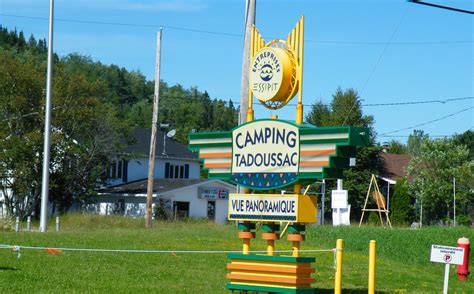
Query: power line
column 232, row 34
column 428, row 122
column 377, row 63
column 407, row 136
column 442, row 6
column 414, row 102
column 420, row 102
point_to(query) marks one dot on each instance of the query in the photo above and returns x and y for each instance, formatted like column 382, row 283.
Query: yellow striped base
column 278, row 274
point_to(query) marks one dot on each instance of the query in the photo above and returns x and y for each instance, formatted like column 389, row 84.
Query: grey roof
column 159, row 186
column 141, row 144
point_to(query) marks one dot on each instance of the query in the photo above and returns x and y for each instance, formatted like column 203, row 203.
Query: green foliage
column 395, row 147
column 374, row 218
column 433, row 170
column 414, row 142
column 95, row 106
column 401, row 203
column 346, row 109
column 463, row 220
column 467, row 139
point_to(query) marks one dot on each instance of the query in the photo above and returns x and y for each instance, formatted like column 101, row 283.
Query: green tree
column 467, row 139
column 346, row 109
column 85, row 134
column 414, row 142
column 433, row 170
column 395, row 147
column 401, row 203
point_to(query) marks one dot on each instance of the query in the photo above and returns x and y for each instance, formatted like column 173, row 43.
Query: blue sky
column 430, row 56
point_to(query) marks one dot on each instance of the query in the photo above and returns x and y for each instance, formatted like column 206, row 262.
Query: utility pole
column 250, row 7
column 151, row 159
column 47, row 127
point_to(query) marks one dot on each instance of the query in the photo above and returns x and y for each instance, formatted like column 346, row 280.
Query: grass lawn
column 403, row 264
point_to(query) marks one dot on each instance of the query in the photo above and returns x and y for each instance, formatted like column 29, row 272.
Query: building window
column 174, row 171
column 115, row 169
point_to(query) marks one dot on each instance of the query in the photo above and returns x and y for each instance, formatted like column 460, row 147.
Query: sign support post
column 447, row 255
column 446, row 278
column 269, row 156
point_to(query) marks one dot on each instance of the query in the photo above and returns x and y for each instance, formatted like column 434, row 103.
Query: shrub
column 401, row 204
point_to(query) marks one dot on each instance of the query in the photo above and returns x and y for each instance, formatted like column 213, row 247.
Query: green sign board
column 268, row 153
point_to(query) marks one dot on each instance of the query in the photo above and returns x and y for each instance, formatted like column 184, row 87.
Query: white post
column 151, row 159
column 47, row 127
column 323, row 192
column 17, row 224
column 339, row 184
column 28, row 223
column 454, row 200
column 57, row 224
column 339, row 187
column 388, row 196
column 421, row 212
column 446, row 279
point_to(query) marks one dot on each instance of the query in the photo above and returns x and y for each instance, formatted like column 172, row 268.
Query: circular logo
column 271, row 72
column 266, row 72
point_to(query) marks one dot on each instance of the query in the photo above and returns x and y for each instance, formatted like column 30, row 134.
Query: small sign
column 447, row 254
column 213, row 193
column 339, row 199
column 272, row 207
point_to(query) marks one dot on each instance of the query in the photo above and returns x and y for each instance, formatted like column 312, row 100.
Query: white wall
column 198, row 207
column 138, row 169
column 135, row 206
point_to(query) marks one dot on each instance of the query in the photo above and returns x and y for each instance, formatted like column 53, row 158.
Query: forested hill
column 129, row 93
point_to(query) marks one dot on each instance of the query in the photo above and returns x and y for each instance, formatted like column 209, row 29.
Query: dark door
column 211, row 210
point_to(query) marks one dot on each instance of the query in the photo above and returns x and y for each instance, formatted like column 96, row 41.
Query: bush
column 401, row 204
column 374, row 218
column 463, row 220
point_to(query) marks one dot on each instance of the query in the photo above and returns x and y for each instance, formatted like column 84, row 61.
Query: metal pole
column 372, row 257
column 454, row 200
column 28, row 224
column 17, row 224
column 57, row 224
column 244, row 86
column 339, row 187
column 47, row 126
column 388, row 196
column 323, row 192
column 338, row 275
column 446, row 278
column 151, row 160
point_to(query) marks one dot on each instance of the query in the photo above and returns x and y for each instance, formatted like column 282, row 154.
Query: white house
column 178, row 190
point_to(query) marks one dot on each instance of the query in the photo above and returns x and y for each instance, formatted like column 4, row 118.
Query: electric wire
column 377, row 63
column 428, row 122
column 194, row 30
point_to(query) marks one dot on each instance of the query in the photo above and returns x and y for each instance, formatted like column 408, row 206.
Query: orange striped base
column 283, row 274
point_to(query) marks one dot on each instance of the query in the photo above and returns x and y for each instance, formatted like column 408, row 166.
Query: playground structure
column 267, row 156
